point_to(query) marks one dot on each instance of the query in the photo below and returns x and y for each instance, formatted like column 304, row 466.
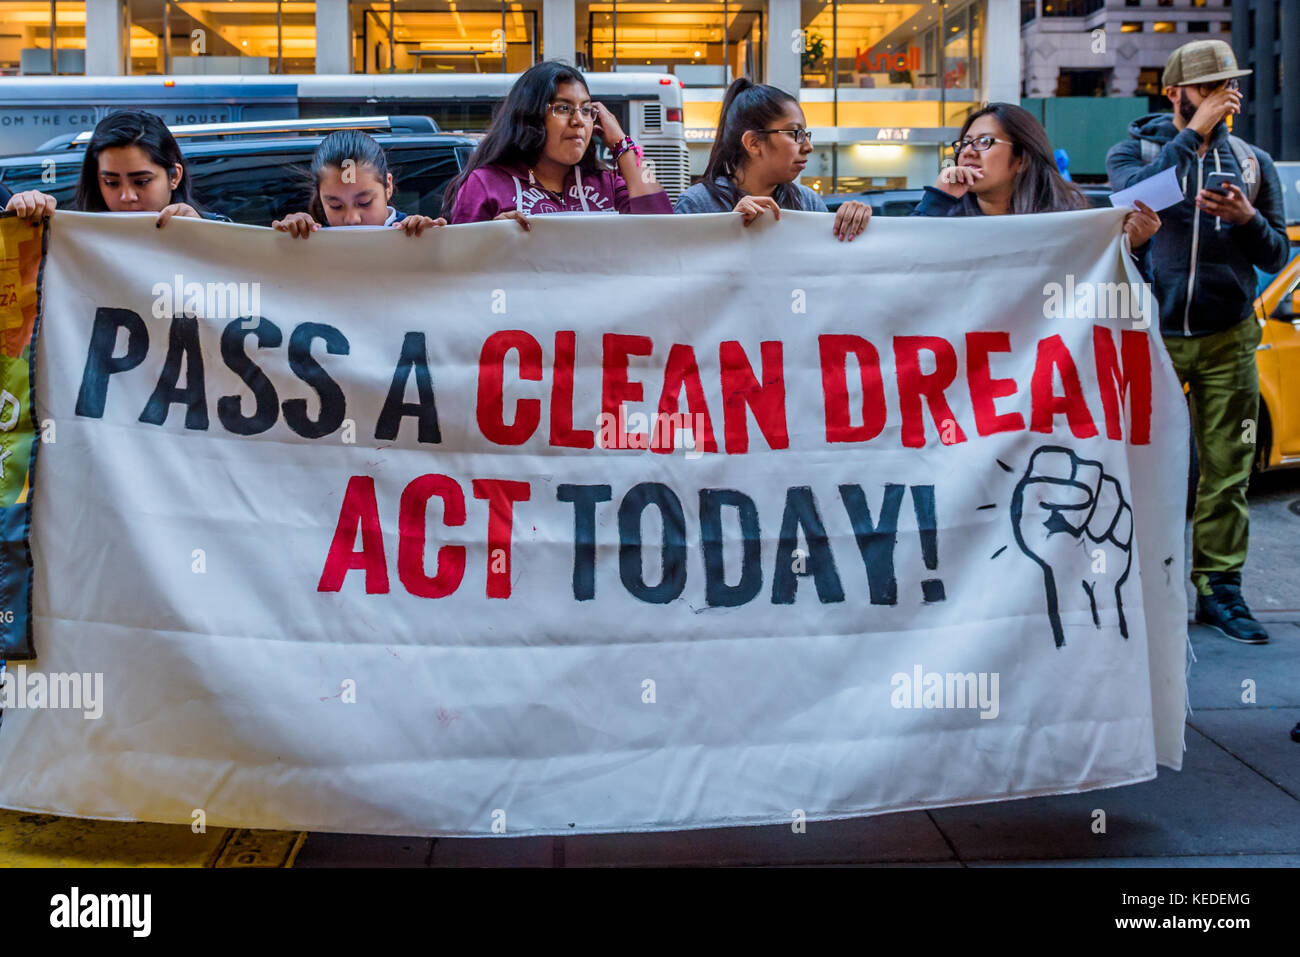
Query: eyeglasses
column 566, row 110
column 1205, row 89
column 978, row 143
column 800, row 136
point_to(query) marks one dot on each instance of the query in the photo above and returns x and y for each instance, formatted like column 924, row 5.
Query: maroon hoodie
column 491, row 190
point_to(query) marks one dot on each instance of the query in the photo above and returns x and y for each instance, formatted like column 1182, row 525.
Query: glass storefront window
column 871, row 44
column 446, row 36
column 221, row 36
column 40, row 39
column 705, row 43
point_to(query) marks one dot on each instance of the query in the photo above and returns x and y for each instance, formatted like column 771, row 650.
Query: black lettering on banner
column 100, row 361
column 333, row 405
column 717, row 593
column 876, row 543
column 801, row 513
column 414, row 358
column 267, row 409
column 182, row 344
column 674, row 542
column 584, row 499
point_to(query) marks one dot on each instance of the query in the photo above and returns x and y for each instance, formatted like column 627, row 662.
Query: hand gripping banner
column 620, row 524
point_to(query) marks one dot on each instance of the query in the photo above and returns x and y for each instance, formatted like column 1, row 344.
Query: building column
column 784, row 45
column 1124, row 78
column 333, row 36
column 1002, row 51
column 559, row 31
column 104, row 37
column 1265, row 77
column 1289, row 148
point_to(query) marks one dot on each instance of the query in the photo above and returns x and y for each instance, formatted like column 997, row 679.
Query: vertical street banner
column 618, row 524
column 20, row 260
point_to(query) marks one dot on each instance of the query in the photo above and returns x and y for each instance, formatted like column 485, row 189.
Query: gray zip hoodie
column 1201, row 268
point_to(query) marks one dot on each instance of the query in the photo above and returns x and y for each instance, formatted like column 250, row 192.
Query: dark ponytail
column 335, row 150
column 746, row 106
column 130, row 128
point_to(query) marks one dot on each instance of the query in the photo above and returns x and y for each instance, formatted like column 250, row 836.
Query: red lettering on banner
column 741, row 390
column 411, row 529
column 501, row 496
column 913, row 386
column 491, row 374
column 1045, row 405
column 1131, row 379
column 683, row 372
column 984, row 389
column 359, row 510
column 834, row 351
column 615, row 388
column 563, row 435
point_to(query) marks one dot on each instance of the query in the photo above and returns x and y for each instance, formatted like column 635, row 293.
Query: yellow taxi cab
column 1278, row 359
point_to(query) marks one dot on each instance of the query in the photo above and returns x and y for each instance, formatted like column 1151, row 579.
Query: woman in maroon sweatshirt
column 539, row 156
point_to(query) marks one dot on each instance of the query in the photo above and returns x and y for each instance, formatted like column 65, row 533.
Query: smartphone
column 1216, row 181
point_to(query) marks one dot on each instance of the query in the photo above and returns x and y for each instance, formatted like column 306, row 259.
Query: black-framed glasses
column 978, row 143
column 800, row 136
column 565, row 111
column 1205, row 89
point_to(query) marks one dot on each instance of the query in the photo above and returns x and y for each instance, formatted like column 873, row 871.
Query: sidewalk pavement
column 1235, row 803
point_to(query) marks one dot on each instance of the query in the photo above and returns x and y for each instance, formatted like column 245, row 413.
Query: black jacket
column 936, row 202
column 1218, row 258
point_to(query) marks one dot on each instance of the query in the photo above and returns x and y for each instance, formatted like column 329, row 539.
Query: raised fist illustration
column 1071, row 518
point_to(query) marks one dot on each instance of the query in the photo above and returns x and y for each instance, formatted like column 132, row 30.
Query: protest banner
column 623, row 523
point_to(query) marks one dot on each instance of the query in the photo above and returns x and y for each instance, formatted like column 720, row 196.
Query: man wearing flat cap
column 1201, row 265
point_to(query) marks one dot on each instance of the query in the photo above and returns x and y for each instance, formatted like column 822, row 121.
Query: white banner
column 357, row 536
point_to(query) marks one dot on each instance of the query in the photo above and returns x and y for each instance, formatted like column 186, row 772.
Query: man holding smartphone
column 1201, row 266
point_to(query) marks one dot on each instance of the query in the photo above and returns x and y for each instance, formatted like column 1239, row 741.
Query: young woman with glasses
column 759, row 152
column 1005, row 165
column 539, row 156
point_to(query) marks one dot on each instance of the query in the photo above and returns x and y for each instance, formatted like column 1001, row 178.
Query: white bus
column 35, row 110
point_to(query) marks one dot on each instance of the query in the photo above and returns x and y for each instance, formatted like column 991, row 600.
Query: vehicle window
column 36, row 174
column 255, row 189
column 419, row 176
column 899, row 207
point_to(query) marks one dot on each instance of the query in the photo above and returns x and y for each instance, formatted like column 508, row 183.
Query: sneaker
column 1225, row 610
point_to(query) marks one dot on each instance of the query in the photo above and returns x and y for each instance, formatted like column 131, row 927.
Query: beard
column 1185, row 108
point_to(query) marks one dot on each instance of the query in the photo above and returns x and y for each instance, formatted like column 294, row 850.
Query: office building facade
column 883, row 84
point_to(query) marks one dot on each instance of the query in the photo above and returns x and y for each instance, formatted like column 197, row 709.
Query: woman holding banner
column 1005, row 165
column 132, row 165
column 539, row 156
column 759, row 151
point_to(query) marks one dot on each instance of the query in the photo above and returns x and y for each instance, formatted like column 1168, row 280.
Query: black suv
column 257, row 172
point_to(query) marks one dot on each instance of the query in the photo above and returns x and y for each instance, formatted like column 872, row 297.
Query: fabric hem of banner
column 755, row 821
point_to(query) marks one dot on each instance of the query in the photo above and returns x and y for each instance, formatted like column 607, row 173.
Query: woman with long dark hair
column 351, row 186
column 759, row 152
column 133, row 164
column 1005, row 165
column 539, row 156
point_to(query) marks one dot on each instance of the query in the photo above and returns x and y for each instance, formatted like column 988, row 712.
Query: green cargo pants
column 1223, row 386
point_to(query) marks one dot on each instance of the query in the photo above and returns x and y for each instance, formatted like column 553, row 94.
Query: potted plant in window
column 814, row 49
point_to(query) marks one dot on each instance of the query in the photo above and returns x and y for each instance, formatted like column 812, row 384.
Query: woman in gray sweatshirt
column 759, row 152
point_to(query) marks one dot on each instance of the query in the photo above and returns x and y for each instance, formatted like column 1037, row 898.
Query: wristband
column 627, row 144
